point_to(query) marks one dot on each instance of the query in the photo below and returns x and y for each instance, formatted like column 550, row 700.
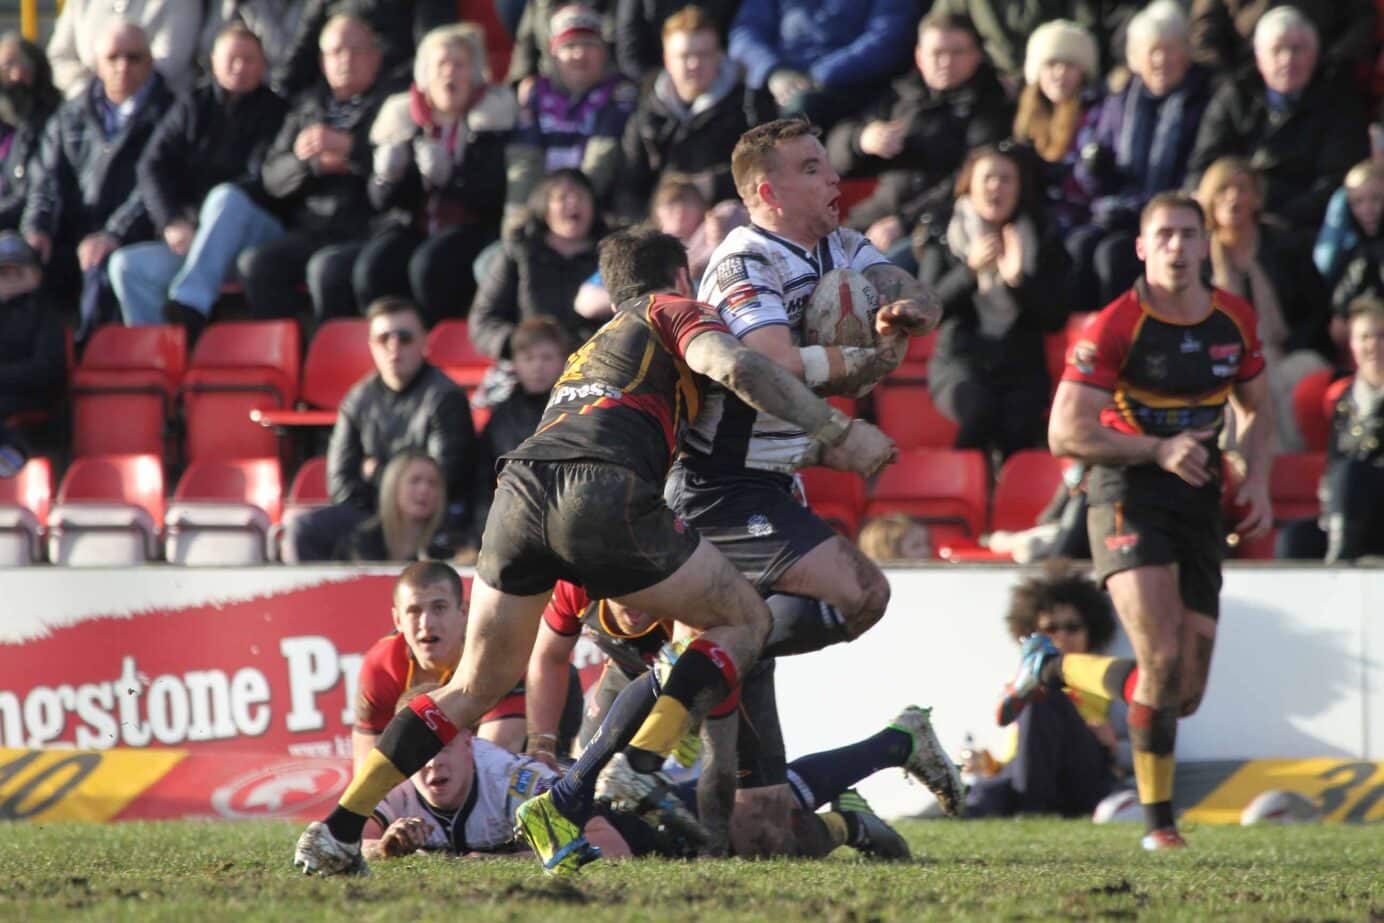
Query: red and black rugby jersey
column 1165, row 377
column 627, row 395
column 571, row 612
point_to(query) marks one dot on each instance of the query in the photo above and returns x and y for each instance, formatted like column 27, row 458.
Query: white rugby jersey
column 503, row 781
column 755, row 279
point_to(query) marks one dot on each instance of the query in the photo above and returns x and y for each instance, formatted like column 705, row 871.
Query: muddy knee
column 867, row 608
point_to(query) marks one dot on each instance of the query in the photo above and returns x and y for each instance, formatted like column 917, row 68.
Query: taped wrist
column 833, row 431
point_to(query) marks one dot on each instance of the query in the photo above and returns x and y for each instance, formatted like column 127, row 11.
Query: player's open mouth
column 429, row 640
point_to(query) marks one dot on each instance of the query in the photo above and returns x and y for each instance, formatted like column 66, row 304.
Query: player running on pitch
column 1143, row 399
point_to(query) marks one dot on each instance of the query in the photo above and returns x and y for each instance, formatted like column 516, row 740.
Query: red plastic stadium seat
column 1055, row 347
column 854, row 191
column 222, row 512
column 123, row 391
column 307, row 492
column 239, row 366
column 913, row 369
column 944, row 487
column 836, row 496
column 338, row 357
column 1026, row 484
column 109, row 511
column 24, row 503
column 1308, row 399
column 907, row 414
column 450, row 349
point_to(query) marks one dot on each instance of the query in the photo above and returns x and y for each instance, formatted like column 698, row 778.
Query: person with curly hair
column 1062, row 757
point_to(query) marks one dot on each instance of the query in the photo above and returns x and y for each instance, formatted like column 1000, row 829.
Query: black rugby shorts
column 1125, row 536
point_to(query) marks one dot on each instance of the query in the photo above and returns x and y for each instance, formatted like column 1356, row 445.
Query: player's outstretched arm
column 766, row 386
column 545, row 691
column 827, row 369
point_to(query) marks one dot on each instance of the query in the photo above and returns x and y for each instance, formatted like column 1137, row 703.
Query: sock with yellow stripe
column 414, row 736
column 1111, row 678
column 1152, row 736
column 704, row 675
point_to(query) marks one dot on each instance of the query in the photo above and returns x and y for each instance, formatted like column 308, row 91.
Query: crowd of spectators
column 307, row 159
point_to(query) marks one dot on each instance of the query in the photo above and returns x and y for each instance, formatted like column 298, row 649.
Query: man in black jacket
column 1294, row 122
column 84, row 202
column 315, row 176
column 405, row 404
column 917, row 135
column 205, row 152
column 690, row 118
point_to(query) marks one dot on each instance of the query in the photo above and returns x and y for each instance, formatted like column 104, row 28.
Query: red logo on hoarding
column 281, row 790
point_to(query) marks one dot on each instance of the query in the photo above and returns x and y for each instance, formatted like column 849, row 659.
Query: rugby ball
column 1280, row 806
column 841, row 311
column 1118, row 807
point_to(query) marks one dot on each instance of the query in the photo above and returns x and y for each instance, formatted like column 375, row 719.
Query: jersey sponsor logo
column 583, row 391
column 740, row 295
column 521, row 783
column 1123, row 543
column 1156, row 365
column 730, row 271
column 1190, row 344
column 1224, row 350
column 1084, row 357
column 1224, row 370
column 759, row 525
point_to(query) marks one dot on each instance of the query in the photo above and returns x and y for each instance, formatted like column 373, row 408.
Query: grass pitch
column 985, row 870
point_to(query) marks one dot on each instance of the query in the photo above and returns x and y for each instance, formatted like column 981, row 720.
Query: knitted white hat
column 1061, row 40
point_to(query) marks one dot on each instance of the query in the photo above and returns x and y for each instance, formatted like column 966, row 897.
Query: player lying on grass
column 462, row 802
column 582, row 500
column 744, row 751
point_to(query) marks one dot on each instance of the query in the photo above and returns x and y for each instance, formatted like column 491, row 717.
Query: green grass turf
column 990, row 870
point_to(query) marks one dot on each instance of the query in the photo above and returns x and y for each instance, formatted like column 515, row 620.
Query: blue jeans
column 145, row 276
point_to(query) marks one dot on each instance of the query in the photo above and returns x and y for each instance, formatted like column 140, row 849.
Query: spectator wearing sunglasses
column 1063, row 754
column 404, row 404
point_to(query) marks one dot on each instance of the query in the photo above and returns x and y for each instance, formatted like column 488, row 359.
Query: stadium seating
column 1293, row 484
column 1025, row 485
column 338, row 357
column 307, row 492
column 1309, row 398
column 239, row 366
column 24, row 502
column 836, row 496
column 913, row 369
column 944, row 487
column 907, row 414
column 109, row 511
column 123, row 391
column 450, row 349
column 222, row 511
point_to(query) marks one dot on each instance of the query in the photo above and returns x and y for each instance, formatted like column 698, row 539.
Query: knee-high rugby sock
column 413, row 737
column 575, row 792
column 704, row 673
column 1152, row 736
column 819, row 777
column 1111, row 678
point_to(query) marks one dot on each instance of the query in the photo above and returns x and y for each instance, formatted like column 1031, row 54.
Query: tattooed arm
column 766, row 386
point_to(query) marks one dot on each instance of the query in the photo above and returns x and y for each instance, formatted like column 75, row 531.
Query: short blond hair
column 1363, row 172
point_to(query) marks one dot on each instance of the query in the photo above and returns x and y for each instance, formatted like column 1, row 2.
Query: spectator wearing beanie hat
column 533, row 45
column 1062, row 75
column 573, row 118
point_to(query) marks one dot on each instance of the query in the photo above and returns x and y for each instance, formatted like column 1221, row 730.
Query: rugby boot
column 559, row 843
column 649, row 795
column 320, row 853
column 874, row 837
column 1163, row 838
column 1026, row 685
column 928, row 762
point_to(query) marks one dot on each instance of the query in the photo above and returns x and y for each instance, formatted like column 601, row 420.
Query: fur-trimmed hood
column 496, row 111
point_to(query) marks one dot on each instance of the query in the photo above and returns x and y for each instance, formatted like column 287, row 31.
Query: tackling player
column 595, row 468
column 1143, row 400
